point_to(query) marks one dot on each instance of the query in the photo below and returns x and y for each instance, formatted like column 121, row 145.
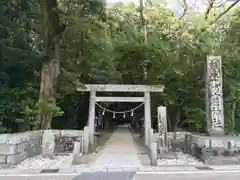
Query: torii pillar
column 147, row 116
column 91, row 116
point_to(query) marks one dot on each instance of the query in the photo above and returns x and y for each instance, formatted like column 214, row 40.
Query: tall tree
column 51, row 32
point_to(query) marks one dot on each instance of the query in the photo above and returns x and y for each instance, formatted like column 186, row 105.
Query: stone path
column 119, row 151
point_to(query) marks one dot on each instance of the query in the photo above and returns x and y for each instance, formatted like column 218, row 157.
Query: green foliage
column 103, row 45
column 48, row 106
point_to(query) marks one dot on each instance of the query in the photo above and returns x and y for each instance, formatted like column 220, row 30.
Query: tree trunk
column 49, row 74
column 50, row 67
column 233, row 125
column 178, row 119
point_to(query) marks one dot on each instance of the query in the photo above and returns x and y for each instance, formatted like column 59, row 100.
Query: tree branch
column 141, row 13
column 222, row 14
column 210, row 6
column 226, row 11
column 185, row 9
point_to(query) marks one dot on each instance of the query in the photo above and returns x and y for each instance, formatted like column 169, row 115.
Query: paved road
column 119, row 151
column 200, row 175
column 190, row 176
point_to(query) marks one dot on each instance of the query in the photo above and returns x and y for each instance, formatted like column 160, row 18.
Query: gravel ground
column 63, row 161
column 39, row 162
column 183, row 159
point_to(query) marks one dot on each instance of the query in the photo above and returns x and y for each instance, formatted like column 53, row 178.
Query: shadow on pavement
column 106, row 176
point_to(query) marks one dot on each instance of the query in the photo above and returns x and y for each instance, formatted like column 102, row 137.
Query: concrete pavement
column 119, row 151
column 199, row 175
column 170, row 175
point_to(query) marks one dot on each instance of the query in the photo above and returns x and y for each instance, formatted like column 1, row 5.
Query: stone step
column 168, row 155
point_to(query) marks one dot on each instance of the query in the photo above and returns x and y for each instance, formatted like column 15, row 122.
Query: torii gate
column 146, row 89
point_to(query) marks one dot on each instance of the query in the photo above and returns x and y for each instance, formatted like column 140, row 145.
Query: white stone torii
column 146, row 89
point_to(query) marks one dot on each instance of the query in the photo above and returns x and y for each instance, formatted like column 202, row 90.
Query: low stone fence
column 14, row 148
column 211, row 150
column 64, row 140
column 173, row 138
column 212, row 141
column 201, row 140
column 173, row 135
column 214, row 150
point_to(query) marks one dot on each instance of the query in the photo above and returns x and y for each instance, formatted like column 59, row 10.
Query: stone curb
column 81, row 170
column 77, row 171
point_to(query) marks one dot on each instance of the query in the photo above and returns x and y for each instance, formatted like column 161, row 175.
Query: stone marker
column 214, row 96
column 153, row 155
column 162, row 125
column 77, row 148
column 77, row 153
column 48, row 144
column 85, row 140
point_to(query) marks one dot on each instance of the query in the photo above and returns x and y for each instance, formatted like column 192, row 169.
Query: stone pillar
column 153, row 155
column 147, row 116
column 150, row 137
column 48, row 143
column 85, row 140
column 214, row 96
column 152, row 148
column 77, row 153
column 91, row 117
column 162, row 125
column 76, row 148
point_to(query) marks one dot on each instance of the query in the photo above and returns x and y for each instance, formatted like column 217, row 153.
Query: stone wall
column 213, row 141
column 211, row 150
column 173, row 137
column 14, row 148
column 214, row 150
column 198, row 140
column 64, row 141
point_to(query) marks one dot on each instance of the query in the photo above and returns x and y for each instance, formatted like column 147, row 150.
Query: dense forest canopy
column 46, row 46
